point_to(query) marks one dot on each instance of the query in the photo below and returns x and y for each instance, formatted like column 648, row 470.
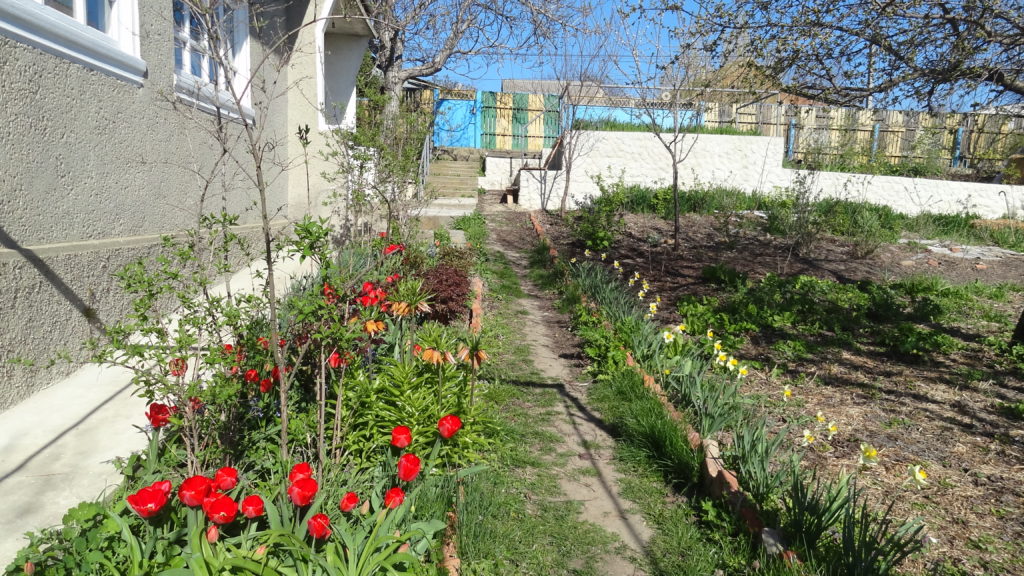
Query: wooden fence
column 895, row 136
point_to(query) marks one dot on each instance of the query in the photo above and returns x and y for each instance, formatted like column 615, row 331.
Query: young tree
column 664, row 76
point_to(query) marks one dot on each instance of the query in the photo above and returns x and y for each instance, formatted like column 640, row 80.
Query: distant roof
column 572, row 88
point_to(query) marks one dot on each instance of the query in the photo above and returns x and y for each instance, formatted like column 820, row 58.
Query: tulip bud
column 212, row 534
column 261, row 551
column 29, row 568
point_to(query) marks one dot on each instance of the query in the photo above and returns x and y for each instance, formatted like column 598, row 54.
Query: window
column 98, row 34
column 211, row 55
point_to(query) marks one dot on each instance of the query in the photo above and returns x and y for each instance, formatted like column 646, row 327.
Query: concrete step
column 462, row 168
column 441, row 212
column 463, row 154
column 455, row 181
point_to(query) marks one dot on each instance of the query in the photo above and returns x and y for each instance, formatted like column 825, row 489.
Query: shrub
column 449, row 286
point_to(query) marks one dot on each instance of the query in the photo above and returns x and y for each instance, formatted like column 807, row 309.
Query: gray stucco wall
column 87, row 158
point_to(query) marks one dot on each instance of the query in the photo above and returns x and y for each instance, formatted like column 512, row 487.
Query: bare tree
column 937, row 53
column 421, row 37
column 581, row 72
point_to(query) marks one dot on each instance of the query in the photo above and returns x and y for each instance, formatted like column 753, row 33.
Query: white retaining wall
column 752, row 163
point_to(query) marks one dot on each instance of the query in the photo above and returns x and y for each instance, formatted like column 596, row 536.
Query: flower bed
column 826, row 523
column 327, row 437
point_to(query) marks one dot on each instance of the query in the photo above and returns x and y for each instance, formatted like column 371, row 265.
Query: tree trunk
column 675, row 203
column 567, row 172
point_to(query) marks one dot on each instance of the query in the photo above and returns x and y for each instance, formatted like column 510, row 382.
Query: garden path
column 591, row 477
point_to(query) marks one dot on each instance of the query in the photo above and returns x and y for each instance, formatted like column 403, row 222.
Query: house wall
column 94, row 170
column 752, row 163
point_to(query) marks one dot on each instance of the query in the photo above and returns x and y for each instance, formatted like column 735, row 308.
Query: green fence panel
column 551, row 120
column 488, row 120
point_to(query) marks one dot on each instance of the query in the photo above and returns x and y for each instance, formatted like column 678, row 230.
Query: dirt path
column 590, row 478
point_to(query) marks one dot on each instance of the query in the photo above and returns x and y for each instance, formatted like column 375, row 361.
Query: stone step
column 463, row 154
column 455, row 167
column 441, row 212
column 457, row 181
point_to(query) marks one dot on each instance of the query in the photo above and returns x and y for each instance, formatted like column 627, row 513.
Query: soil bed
column 940, row 412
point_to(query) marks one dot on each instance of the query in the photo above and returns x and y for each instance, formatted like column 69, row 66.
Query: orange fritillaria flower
column 473, row 359
column 371, row 327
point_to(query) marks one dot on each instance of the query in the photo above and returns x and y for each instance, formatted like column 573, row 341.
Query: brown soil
column 940, row 413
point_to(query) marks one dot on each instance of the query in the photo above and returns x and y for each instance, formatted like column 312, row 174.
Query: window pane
column 96, row 14
column 179, row 15
column 197, row 64
column 62, row 6
column 179, row 55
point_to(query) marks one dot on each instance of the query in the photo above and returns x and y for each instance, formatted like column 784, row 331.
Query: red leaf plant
column 194, row 490
column 319, row 526
column 150, row 500
column 408, row 467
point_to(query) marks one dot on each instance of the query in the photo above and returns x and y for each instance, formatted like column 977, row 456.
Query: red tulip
column 302, row 491
column 319, row 526
column 408, row 467
column 348, row 502
column 220, row 508
column 266, row 385
column 330, row 296
column 148, row 501
column 251, row 375
column 275, row 374
column 391, row 249
column 401, row 436
column 393, row 498
column 226, row 478
column 252, row 506
column 448, row 425
column 228, row 348
column 212, row 534
column 194, row 490
column 178, row 367
column 263, row 342
column 29, row 568
column 300, row 471
column 159, row 414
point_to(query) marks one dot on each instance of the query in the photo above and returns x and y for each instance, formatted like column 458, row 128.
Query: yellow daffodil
column 832, row 430
column 722, row 358
column 868, row 455
column 586, row 253
column 648, row 316
column 616, row 265
column 572, row 260
column 653, row 307
column 631, row 281
column 718, row 344
column 668, row 336
column 918, row 477
column 711, row 335
column 657, row 299
column 636, row 275
column 820, row 417
column 681, row 328
column 641, row 294
column 646, row 285
column 733, row 363
column 742, row 372
column 787, row 393
column 667, row 371
column 603, row 256
column 808, row 438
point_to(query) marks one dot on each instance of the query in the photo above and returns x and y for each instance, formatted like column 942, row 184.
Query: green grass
column 514, row 517
column 612, row 125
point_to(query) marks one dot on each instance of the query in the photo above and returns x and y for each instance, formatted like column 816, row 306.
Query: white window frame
column 114, row 51
column 199, row 91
